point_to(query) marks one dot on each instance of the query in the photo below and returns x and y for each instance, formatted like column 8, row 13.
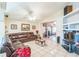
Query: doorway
column 49, row 29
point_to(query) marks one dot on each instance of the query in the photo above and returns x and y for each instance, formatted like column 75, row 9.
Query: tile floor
column 51, row 50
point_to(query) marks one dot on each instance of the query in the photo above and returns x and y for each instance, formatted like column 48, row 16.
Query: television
column 69, row 36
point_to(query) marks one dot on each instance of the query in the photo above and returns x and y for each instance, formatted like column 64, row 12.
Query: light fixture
column 32, row 18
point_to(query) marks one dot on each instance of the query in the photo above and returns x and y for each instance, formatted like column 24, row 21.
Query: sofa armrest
column 14, row 54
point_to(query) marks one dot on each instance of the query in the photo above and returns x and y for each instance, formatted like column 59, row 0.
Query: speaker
column 6, row 15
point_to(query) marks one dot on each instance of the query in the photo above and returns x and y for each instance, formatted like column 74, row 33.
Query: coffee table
column 41, row 42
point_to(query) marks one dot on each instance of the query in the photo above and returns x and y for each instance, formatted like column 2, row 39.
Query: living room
column 22, row 22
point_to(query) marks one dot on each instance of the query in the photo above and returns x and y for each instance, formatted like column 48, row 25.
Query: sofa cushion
column 7, row 51
column 23, row 36
column 9, row 46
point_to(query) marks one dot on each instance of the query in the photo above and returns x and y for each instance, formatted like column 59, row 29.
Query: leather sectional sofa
column 23, row 36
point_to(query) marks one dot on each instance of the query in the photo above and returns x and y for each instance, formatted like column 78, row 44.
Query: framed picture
column 44, row 24
column 33, row 27
column 25, row 27
column 13, row 26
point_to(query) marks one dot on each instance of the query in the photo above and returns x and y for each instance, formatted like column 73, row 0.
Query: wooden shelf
column 71, row 13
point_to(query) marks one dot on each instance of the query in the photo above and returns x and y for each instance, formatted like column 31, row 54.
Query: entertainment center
column 71, row 30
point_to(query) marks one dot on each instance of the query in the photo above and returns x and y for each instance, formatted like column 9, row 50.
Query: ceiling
column 32, row 10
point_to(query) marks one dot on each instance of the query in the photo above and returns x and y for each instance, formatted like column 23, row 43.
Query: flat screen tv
column 69, row 36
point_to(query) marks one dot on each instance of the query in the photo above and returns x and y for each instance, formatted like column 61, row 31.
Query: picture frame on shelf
column 33, row 27
column 25, row 27
column 13, row 26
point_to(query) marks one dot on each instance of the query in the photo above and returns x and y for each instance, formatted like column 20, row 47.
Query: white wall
column 18, row 23
column 59, row 25
column 75, row 5
column 58, row 17
column 2, row 28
